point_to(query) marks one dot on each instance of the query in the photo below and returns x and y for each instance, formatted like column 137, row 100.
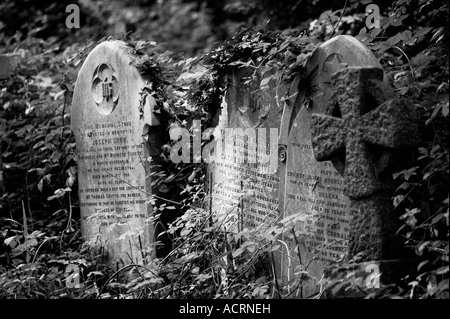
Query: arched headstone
column 109, row 120
column 312, row 188
column 243, row 179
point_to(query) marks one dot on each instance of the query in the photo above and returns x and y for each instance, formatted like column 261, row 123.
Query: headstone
column 313, row 188
column 323, row 191
column 367, row 126
column 243, row 178
column 110, row 119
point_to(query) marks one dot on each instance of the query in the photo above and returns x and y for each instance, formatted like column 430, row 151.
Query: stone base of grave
column 355, row 280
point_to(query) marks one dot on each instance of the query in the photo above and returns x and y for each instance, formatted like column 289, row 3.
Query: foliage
column 40, row 233
column 45, row 20
column 412, row 45
column 39, row 216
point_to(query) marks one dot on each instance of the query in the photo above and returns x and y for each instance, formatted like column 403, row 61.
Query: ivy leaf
column 238, row 252
column 59, row 193
column 434, row 114
column 442, row 270
column 265, row 81
column 404, row 185
column 169, row 179
column 163, row 188
column 436, row 219
column 398, row 199
column 57, row 95
column 445, row 109
column 12, row 241
column 421, row 33
column 375, row 32
column 421, row 247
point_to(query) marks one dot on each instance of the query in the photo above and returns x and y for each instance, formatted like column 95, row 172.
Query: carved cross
column 361, row 121
column 105, row 88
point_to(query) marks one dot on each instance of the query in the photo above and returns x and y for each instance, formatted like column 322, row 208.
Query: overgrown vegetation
column 40, row 233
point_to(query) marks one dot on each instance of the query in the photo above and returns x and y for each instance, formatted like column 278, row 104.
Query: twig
column 275, row 276
column 339, row 21
column 300, row 259
column 28, row 189
column 63, row 111
column 141, row 249
column 70, row 241
column 120, row 270
column 409, row 62
column 25, row 231
column 319, row 252
column 69, row 222
column 142, row 191
column 37, row 250
column 117, row 279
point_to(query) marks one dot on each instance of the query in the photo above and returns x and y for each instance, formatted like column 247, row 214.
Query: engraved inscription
column 319, row 195
column 243, row 191
column 111, row 163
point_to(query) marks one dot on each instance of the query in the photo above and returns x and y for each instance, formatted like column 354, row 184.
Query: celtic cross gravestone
column 319, row 139
column 360, row 129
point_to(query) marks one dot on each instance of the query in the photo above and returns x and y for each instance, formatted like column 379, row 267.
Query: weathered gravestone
column 243, row 177
column 302, row 184
column 353, row 143
column 360, row 131
column 110, row 120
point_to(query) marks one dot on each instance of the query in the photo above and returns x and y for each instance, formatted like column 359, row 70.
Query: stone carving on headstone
column 249, row 104
column 110, row 121
column 365, row 126
column 314, row 176
column 316, row 189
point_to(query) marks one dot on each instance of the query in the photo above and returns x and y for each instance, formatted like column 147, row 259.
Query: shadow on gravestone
column 110, row 121
column 317, row 190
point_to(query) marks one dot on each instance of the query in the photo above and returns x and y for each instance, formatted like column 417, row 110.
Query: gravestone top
column 357, row 122
column 365, row 124
column 109, row 119
column 244, row 184
column 248, row 103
